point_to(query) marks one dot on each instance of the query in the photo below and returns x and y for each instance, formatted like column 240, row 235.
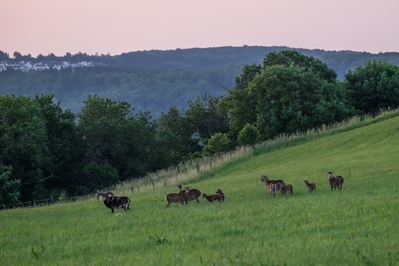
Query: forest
column 49, row 149
column 156, row 80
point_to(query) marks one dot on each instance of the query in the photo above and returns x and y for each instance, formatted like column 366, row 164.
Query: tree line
column 47, row 150
column 156, row 80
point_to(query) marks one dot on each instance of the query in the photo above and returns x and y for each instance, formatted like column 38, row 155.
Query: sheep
column 219, row 191
column 113, row 202
column 214, row 197
column 286, row 188
column 266, row 180
column 177, row 197
column 272, row 185
column 335, row 181
column 311, row 186
column 193, row 194
column 181, row 191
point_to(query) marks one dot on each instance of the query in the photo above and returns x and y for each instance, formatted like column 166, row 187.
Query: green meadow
column 355, row 226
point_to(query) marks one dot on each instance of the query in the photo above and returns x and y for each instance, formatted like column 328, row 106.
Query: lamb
column 286, row 188
column 335, row 181
column 113, row 202
column 214, row 197
column 311, row 186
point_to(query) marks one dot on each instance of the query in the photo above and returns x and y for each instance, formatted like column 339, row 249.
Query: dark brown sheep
column 193, row 194
column 214, row 197
column 272, row 185
column 311, row 186
column 335, row 181
column 112, row 202
column 177, row 198
column 219, row 191
column 286, row 189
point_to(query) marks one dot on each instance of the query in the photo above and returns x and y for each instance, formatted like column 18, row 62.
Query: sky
column 120, row 26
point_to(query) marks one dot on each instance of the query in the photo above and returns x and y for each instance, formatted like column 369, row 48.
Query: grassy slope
column 355, row 226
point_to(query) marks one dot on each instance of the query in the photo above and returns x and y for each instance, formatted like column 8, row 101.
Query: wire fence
column 42, row 202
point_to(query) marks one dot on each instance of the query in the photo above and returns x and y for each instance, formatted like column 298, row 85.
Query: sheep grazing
column 311, row 186
column 214, row 197
column 113, row 202
column 177, row 197
column 284, row 189
column 193, row 194
column 335, row 181
column 272, row 185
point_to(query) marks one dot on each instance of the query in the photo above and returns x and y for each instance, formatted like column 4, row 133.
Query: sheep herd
column 273, row 186
column 187, row 194
column 192, row 194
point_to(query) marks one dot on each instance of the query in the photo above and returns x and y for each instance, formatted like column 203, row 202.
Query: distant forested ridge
column 156, row 80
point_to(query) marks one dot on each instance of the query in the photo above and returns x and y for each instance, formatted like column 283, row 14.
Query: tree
column 290, row 92
column 373, row 87
column 174, row 136
column 238, row 103
column 9, row 192
column 98, row 177
column 113, row 135
column 309, row 63
column 4, row 56
column 249, row 135
column 217, row 143
column 206, row 118
column 292, row 99
column 23, row 144
column 17, row 55
column 64, row 144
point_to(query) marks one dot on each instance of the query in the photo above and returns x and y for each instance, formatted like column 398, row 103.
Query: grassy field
column 355, row 226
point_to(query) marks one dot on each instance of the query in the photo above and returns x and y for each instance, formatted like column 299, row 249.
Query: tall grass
column 355, row 226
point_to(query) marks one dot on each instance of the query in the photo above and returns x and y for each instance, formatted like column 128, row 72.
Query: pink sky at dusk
column 119, row 26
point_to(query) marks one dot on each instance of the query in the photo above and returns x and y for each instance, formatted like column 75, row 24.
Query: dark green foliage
column 206, row 118
column 217, row 143
column 291, row 100
column 174, row 137
column 249, row 135
column 238, row 103
column 98, row 176
column 39, row 140
column 374, row 87
column 291, row 57
column 64, row 143
column 9, row 192
column 23, row 143
column 113, row 135
column 290, row 93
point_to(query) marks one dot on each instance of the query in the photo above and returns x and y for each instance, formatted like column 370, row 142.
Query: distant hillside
column 156, row 80
column 202, row 58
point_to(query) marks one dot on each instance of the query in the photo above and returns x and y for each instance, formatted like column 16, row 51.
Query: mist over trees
column 156, row 80
column 47, row 149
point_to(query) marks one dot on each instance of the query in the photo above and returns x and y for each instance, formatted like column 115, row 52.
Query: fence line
column 42, row 202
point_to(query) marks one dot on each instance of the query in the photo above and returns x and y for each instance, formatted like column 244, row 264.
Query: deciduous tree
column 373, row 87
